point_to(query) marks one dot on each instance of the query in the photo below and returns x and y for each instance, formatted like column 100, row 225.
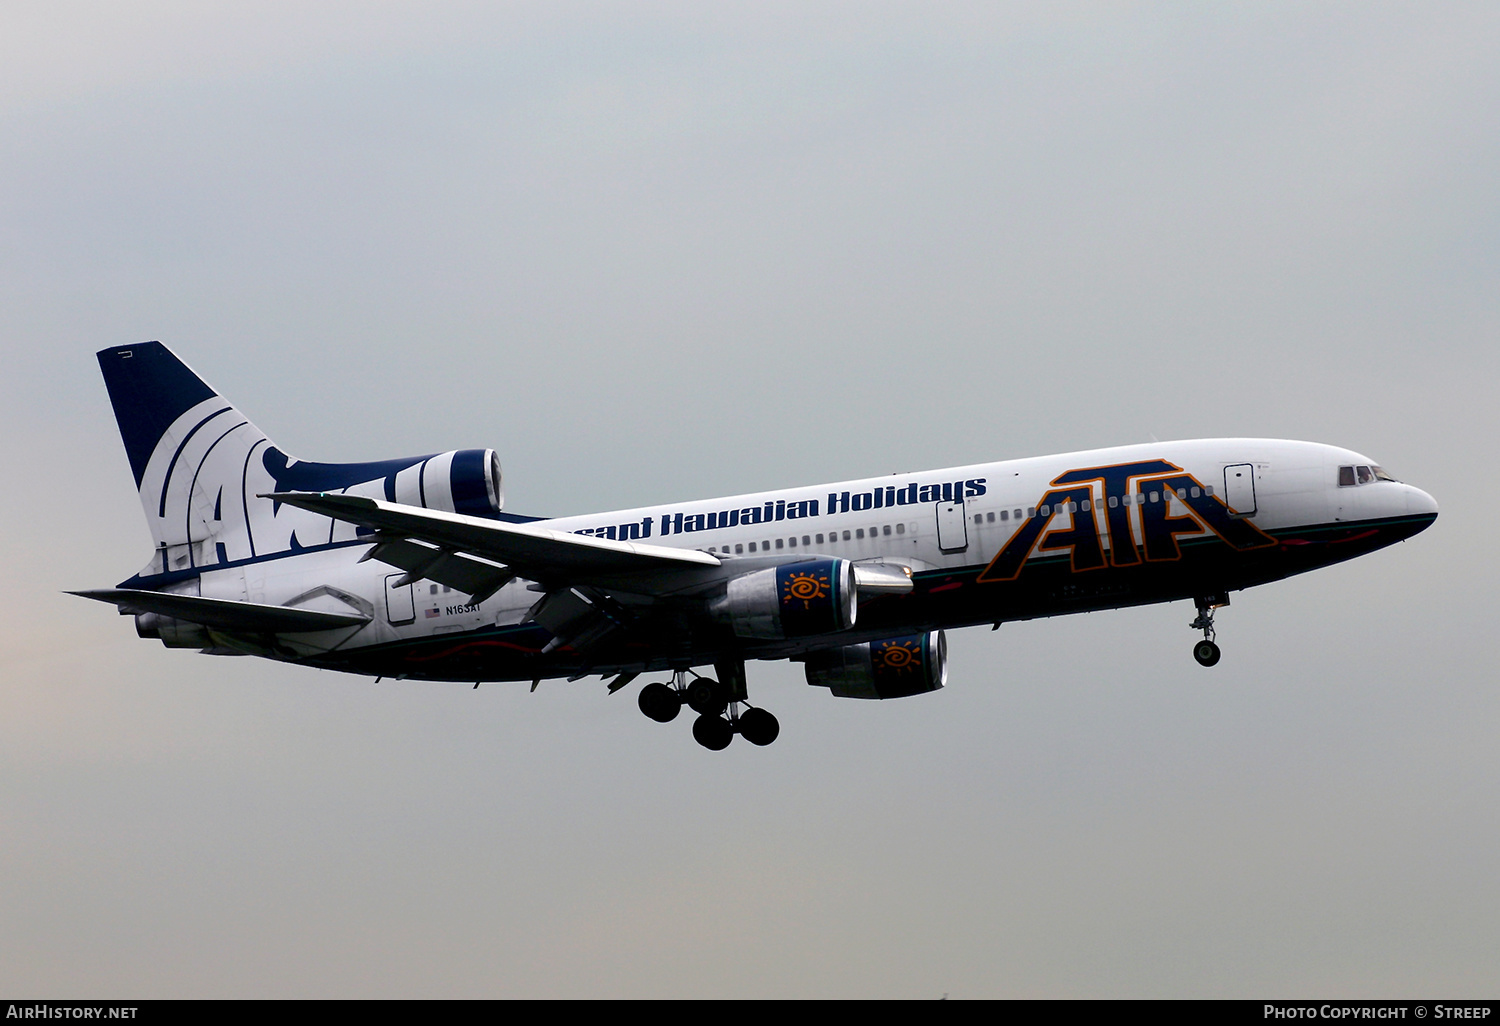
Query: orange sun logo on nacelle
column 805, row 587
column 899, row 656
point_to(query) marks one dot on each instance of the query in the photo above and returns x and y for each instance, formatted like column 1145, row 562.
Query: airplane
column 412, row 569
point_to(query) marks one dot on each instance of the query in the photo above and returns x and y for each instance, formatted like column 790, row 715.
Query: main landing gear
column 1205, row 651
column 720, row 704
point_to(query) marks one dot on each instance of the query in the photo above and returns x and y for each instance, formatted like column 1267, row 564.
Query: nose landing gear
column 1205, row 651
column 721, row 705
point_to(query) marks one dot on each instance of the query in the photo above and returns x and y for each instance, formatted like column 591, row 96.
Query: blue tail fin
column 188, row 449
column 150, row 389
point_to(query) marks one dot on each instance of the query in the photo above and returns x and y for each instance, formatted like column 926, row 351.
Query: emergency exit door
column 1239, row 489
column 400, row 607
column 952, row 526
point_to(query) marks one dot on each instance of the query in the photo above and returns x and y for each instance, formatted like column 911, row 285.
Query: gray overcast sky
column 664, row 251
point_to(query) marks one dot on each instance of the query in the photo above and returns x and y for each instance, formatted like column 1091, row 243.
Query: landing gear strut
column 722, row 708
column 1205, row 651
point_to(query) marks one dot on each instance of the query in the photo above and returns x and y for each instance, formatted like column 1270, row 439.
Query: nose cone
column 1419, row 503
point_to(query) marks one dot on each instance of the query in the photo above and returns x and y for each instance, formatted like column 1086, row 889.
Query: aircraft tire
column 659, row 702
column 759, row 727
column 706, row 695
column 1206, row 652
column 713, row 732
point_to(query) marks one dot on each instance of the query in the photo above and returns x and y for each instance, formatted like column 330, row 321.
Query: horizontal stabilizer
column 533, row 552
column 224, row 614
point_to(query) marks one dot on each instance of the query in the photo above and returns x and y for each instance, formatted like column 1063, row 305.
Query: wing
column 473, row 554
column 480, row 556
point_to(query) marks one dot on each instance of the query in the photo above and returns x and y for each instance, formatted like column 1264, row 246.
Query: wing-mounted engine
column 794, row 600
column 891, row 668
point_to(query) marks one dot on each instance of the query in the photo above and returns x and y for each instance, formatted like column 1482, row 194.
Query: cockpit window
column 1362, row 475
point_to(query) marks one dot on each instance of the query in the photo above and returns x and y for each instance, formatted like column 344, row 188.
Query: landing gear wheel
column 758, row 726
column 705, row 695
column 713, row 732
column 1206, row 652
column 659, row 702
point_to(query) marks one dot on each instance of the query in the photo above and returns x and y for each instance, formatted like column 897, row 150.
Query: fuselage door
column 952, row 528
column 399, row 607
column 1239, row 489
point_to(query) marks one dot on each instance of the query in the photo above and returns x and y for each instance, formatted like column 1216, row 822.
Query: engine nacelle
column 794, row 600
column 891, row 668
column 459, row 481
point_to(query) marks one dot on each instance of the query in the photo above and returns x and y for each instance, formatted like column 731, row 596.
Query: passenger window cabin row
column 856, row 534
column 1115, row 501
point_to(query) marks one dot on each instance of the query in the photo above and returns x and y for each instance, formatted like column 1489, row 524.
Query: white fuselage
column 931, row 520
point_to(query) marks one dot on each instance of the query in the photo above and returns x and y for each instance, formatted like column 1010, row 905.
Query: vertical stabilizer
column 188, row 448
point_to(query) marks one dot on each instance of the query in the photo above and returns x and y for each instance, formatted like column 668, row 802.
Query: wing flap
column 478, row 578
